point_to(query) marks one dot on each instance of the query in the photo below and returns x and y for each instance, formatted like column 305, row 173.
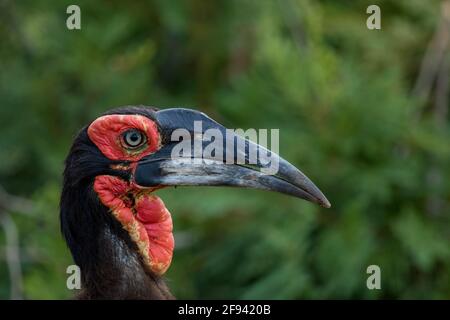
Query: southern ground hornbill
column 119, row 232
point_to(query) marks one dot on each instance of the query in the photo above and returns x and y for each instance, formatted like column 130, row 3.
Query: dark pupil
column 134, row 137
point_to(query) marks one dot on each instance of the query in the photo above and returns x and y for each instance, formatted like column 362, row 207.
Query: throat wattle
column 144, row 216
column 157, row 222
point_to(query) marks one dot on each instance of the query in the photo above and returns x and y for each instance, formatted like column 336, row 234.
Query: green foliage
column 340, row 94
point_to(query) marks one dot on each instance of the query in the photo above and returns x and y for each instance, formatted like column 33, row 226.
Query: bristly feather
column 111, row 267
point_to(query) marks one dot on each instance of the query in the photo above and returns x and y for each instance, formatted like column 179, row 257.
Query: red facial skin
column 106, row 133
column 147, row 221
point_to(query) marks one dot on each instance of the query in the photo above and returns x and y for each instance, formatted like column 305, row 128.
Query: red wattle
column 151, row 212
column 148, row 222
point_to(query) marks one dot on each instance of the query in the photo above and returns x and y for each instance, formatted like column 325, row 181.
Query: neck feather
column 120, row 274
column 111, row 267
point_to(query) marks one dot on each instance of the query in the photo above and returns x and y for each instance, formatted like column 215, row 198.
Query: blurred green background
column 364, row 113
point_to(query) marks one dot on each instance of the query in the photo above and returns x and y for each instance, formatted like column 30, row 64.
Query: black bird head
column 119, row 159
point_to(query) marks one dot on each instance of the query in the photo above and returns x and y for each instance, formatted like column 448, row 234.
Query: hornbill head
column 120, row 158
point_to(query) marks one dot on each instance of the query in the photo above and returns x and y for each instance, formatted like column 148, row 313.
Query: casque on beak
column 169, row 168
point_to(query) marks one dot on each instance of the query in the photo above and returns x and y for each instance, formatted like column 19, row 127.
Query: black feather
column 110, row 264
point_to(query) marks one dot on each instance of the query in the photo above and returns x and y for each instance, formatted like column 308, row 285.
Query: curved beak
column 197, row 151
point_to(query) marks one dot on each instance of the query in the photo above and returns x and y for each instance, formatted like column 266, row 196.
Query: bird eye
column 133, row 138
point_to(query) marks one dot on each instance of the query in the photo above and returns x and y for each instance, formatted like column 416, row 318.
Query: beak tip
column 325, row 203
